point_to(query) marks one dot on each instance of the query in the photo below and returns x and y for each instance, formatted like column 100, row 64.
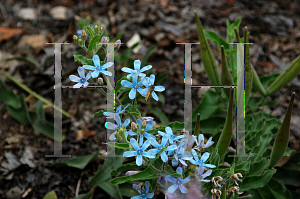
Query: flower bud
column 121, row 132
column 100, row 80
column 83, row 35
column 128, row 173
column 133, row 127
column 104, row 42
column 80, row 42
column 144, row 124
column 75, row 38
column 96, row 29
column 118, row 44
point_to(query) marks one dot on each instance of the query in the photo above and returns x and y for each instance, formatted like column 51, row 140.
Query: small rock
column 27, row 13
column 59, row 13
column 14, row 193
column 27, row 157
column 133, row 40
column 37, row 42
column 159, row 36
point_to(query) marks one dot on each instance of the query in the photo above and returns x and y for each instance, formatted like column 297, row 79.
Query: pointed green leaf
column 50, row 195
column 256, row 181
column 83, row 60
column 9, row 97
column 226, row 78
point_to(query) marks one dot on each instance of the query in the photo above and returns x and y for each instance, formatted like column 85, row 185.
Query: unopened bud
column 75, row 38
column 83, row 35
column 104, row 42
column 100, row 80
column 144, row 124
column 80, row 42
column 133, row 127
column 128, row 173
column 96, row 29
column 118, row 44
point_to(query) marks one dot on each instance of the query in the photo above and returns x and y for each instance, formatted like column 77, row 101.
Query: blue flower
column 135, row 85
column 144, row 133
column 200, row 142
column 137, row 66
column 181, row 154
column 177, row 182
column 148, row 82
column 139, row 152
column 169, row 133
column 200, row 162
column 203, row 175
column 118, row 112
column 82, row 80
column 144, row 192
column 98, row 67
column 113, row 126
column 160, row 146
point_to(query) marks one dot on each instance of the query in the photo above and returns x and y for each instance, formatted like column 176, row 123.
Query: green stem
column 31, row 92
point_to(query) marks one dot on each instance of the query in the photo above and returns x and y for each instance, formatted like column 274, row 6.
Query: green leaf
column 160, row 114
column 111, row 189
column 93, row 43
column 88, row 195
column 257, row 181
column 146, row 174
column 9, row 97
column 127, row 190
column 273, row 189
column 212, row 126
column 162, row 76
column 125, row 167
column 90, row 32
column 38, row 106
column 153, row 184
column 99, row 113
column 258, row 168
column 124, row 146
column 209, row 104
column 78, row 162
column 83, row 60
column 50, row 195
column 255, row 102
column 175, row 126
column 19, row 114
column 133, row 110
column 216, row 39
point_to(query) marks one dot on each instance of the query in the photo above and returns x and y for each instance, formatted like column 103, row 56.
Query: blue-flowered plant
column 148, row 82
column 98, row 68
column 134, row 85
column 137, row 67
column 82, row 80
column 177, row 182
column 143, row 191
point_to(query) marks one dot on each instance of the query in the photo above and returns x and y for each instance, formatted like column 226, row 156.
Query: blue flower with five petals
column 139, row 152
column 144, row 192
column 137, row 66
column 82, row 80
column 135, row 85
column 177, row 182
column 200, row 142
column 98, row 69
column 160, row 146
column 148, row 82
column 149, row 126
column 119, row 124
column 181, row 154
column 203, row 158
column 171, row 136
column 202, row 175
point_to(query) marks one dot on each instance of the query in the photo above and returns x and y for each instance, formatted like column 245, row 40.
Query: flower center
column 139, row 152
column 82, row 80
column 178, row 182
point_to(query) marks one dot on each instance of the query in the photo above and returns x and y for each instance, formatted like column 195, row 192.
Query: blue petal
column 194, row 162
column 164, row 141
column 171, row 147
column 152, row 79
column 74, row 78
column 179, row 170
column 144, row 92
column 172, row 188
column 107, row 65
column 149, row 155
column 209, row 165
column 109, row 114
column 154, row 143
column 126, row 84
column 88, row 76
column 78, row 85
column 89, row 67
column 134, row 77
column 135, row 186
column 182, row 162
column 186, row 180
column 119, row 109
column 131, row 133
column 147, row 186
column 205, row 156
column 169, row 130
column 96, row 60
column 112, row 136
column 194, row 153
column 146, row 68
column 139, row 122
column 129, row 154
column 132, row 93
column 170, row 179
column 150, row 125
column 146, row 145
column 125, row 124
column 126, row 70
column 85, row 84
column 107, row 73
column 81, row 72
column 139, row 160
column 182, row 189
column 149, row 136
column 110, row 125
column 207, row 173
column 155, row 96
column 137, row 64
column 145, row 82
column 159, row 88
column 118, row 120
column 95, row 74
column 150, row 195
column 136, row 197
column 134, row 144
column 174, row 162
column 154, row 151
column 164, row 156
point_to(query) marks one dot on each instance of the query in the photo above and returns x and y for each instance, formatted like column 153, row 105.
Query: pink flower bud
column 118, row 44
column 104, row 41
column 100, row 80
